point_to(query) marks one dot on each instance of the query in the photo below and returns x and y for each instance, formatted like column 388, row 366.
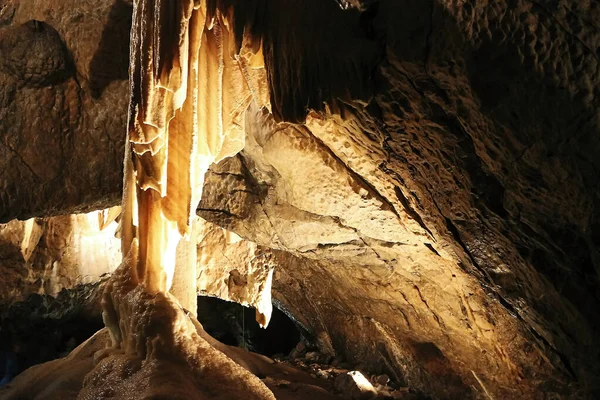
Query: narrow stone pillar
column 184, row 278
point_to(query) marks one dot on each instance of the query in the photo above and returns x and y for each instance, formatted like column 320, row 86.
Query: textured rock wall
column 401, row 286
column 475, row 151
column 63, row 101
column 233, row 269
column 45, row 255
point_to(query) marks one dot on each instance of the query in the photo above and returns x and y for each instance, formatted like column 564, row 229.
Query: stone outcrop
column 434, row 215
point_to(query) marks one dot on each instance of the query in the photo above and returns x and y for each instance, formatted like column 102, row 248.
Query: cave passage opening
column 36, row 330
column 235, row 325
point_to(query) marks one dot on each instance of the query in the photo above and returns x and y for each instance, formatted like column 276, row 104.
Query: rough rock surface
column 233, row 269
column 444, row 228
column 63, row 101
column 64, row 378
column 45, row 255
column 355, row 385
column 408, row 290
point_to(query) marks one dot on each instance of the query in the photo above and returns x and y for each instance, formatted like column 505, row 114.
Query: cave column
column 184, row 286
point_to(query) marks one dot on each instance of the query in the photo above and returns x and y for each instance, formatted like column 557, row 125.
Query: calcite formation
column 157, row 351
column 234, row 269
column 189, row 91
column 190, row 85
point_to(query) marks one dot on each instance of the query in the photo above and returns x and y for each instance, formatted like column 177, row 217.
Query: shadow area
column 111, row 61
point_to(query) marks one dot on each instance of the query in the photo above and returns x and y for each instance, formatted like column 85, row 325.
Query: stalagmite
column 192, row 78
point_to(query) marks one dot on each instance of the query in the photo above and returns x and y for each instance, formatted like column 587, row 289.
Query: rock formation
column 423, row 186
column 46, row 255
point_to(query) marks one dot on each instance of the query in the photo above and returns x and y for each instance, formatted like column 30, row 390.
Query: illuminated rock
column 45, row 255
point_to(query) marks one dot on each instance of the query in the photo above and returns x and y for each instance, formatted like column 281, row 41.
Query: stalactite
column 189, row 88
column 193, row 74
column 191, row 81
column 195, row 67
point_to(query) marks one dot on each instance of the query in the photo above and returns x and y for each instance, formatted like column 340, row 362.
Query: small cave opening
column 235, row 325
column 41, row 329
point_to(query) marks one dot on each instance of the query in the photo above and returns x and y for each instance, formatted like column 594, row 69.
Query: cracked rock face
column 438, row 223
column 407, row 295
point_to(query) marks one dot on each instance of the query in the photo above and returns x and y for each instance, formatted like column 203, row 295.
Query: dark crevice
column 228, row 174
column 235, row 325
column 456, row 235
column 430, row 247
column 411, row 211
column 561, row 357
column 214, row 210
column 509, row 307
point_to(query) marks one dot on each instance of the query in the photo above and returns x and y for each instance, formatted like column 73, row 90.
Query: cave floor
column 299, row 377
column 303, row 376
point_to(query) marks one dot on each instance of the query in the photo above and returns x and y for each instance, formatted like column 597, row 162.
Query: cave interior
column 283, row 199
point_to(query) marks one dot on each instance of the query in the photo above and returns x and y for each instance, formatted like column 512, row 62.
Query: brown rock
column 312, row 356
column 382, row 379
column 354, row 385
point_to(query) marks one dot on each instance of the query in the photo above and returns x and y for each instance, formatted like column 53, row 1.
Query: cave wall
column 233, row 269
column 413, row 288
column 478, row 145
column 63, row 102
column 451, row 210
column 45, row 255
